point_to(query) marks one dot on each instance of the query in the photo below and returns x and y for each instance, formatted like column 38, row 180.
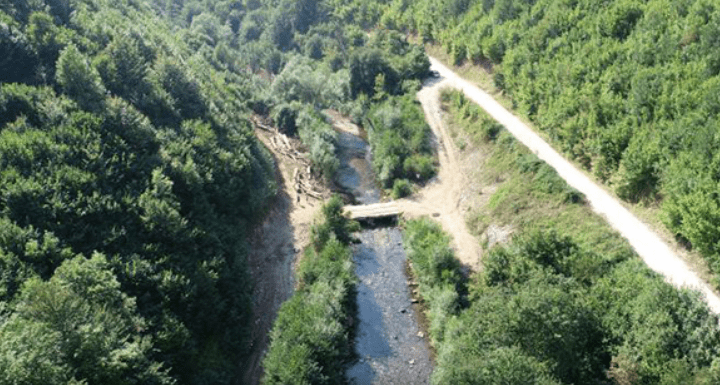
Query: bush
column 420, row 167
column 311, row 337
column 284, row 116
column 401, row 189
column 400, row 140
column 501, row 366
column 435, row 267
column 320, row 139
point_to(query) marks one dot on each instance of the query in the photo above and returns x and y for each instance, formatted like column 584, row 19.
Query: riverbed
column 389, row 343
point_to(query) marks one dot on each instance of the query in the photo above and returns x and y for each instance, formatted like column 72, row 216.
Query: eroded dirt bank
column 276, row 244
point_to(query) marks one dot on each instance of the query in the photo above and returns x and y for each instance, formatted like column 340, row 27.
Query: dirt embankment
column 276, row 244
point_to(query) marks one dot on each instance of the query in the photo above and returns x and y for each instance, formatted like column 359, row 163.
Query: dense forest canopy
column 627, row 88
column 565, row 301
column 130, row 176
column 129, row 180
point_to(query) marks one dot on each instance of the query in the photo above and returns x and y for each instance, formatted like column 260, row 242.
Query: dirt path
column 651, row 248
column 276, row 244
column 445, row 198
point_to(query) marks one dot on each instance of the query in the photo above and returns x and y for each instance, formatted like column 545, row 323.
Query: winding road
column 649, row 246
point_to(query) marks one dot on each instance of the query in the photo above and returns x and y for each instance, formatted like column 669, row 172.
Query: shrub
column 284, row 116
column 501, row 366
column 433, row 263
column 320, row 139
column 401, row 188
column 400, row 139
column 420, row 167
column 311, row 337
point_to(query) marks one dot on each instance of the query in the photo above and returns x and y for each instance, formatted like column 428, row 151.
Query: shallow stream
column 389, row 342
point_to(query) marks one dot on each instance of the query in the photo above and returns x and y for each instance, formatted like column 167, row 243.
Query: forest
column 130, row 180
column 130, row 176
column 628, row 89
column 565, row 300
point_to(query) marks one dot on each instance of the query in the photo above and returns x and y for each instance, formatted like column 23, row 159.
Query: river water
column 390, row 346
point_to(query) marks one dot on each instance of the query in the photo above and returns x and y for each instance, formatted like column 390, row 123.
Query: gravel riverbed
column 391, row 347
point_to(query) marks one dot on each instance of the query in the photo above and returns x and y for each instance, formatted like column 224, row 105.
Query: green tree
column 98, row 333
column 79, row 79
column 19, row 59
column 500, row 366
column 30, row 353
column 365, row 66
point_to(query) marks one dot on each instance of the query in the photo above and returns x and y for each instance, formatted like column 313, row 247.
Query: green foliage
column 433, row 263
column 85, row 329
column 285, row 116
column 79, row 79
column 537, row 314
column 123, row 132
column 311, row 337
column 184, row 91
column 400, row 139
column 474, row 116
column 320, row 139
column 334, row 225
column 401, row 189
column 145, row 158
column 19, row 59
column 621, row 86
column 639, row 168
column 654, row 323
column 565, row 300
column 504, row 365
column 365, row 66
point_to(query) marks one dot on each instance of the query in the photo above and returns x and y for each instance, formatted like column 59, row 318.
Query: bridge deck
column 375, row 210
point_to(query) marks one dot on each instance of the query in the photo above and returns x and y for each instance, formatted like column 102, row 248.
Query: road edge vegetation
column 565, row 301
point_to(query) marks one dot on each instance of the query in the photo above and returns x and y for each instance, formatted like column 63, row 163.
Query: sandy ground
column 651, row 248
column 276, row 244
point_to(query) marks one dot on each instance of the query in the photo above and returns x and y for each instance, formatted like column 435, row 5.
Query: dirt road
column 651, row 248
column 445, row 198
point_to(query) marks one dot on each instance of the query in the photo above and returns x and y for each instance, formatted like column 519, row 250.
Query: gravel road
column 651, row 248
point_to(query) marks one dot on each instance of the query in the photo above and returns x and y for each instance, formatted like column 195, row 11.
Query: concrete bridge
column 373, row 211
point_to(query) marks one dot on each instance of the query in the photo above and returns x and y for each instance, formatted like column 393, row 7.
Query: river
column 389, row 343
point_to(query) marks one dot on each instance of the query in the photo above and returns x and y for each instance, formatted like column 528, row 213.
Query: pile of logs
column 302, row 179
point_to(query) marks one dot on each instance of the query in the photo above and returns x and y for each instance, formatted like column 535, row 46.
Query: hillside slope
column 649, row 246
column 128, row 182
column 626, row 88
